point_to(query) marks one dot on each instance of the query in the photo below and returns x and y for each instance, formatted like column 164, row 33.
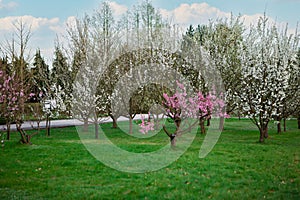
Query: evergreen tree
column 60, row 69
column 61, row 79
column 188, row 39
column 200, row 34
column 5, row 66
column 40, row 75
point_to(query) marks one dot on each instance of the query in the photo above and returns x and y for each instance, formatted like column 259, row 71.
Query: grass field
column 59, row 167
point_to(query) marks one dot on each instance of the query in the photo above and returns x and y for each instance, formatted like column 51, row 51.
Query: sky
column 48, row 18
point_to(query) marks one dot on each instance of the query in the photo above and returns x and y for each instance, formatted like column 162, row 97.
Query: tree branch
column 166, row 131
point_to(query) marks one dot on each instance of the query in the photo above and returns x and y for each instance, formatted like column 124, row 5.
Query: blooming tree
column 265, row 75
column 146, row 126
column 95, row 40
column 291, row 104
column 223, row 41
column 8, row 97
column 85, row 97
column 13, row 95
column 181, row 107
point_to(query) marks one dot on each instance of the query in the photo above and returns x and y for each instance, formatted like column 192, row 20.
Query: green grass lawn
column 59, row 167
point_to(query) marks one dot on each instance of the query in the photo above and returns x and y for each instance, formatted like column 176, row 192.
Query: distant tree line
column 259, row 68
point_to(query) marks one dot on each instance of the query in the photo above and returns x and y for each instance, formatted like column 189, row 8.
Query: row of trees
column 259, row 68
column 113, row 68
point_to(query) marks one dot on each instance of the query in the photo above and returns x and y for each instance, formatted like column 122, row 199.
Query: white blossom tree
column 223, row 39
column 265, row 63
column 95, row 39
column 84, row 95
column 291, row 104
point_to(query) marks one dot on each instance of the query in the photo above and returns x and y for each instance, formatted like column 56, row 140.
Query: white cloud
column 8, row 5
column 7, row 23
column 253, row 19
column 281, row 25
column 60, row 28
column 196, row 13
column 117, row 9
column 201, row 13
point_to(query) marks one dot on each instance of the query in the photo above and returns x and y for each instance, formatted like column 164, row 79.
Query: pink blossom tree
column 12, row 99
column 146, row 126
column 8, row 99
column 180, row 107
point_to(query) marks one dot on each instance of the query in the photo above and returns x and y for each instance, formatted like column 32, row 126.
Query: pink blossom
column 146, row 126
column 181, row 106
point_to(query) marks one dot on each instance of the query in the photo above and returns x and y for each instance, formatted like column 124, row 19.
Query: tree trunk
column 299, row 122
column 171, row 136
column 96, row 130
column 114, row 120
column 177, row 123
column 130, row 116
column 221, row 124
column 130, row 124
column 173, row 141
column 266, row 135
column 279, row 126
column 263, row 133
column 8, row 131
column 25, row 139
column 38, row 125
column 86, row 125
column 284, row 124
column 261, row 137
column 208, row 121
column 48, row 125
column 202, row 127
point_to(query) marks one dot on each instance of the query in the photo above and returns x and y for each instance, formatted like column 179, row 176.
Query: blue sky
column 284, row 10
column 48, row 17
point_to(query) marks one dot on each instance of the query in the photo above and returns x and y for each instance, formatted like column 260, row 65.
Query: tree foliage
column 265, row 76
